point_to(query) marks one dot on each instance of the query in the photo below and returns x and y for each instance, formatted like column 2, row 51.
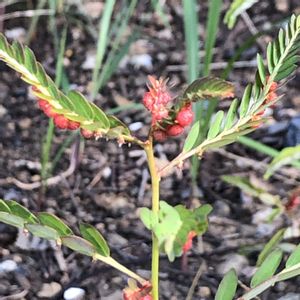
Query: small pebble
column 49, row 290
column 8, row 266
column 74, row 293
column 106, row 172
column 204, row 292
column 136, row 126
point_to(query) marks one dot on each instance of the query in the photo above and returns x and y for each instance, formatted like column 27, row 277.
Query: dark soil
column 111, row 183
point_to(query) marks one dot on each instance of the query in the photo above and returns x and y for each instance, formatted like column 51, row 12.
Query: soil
column 111, row 183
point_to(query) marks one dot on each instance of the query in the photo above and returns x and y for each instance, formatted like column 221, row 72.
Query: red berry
column 159, row 135
column 174, row 130
column 185, row 116
column 86, row 133
column 73, row 125
column 50, row 113
column 61, row 122
column 43, row 104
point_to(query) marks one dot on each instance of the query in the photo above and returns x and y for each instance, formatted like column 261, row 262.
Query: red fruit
column 159, row 135
column 61, row 122
column 148, row 101
column 185, row 116
column 174, row 130
column 73, row 125
column 43, row 104
column 87, row 133
column 49, row 112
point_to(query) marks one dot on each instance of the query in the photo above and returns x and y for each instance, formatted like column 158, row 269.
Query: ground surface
column 111, row 183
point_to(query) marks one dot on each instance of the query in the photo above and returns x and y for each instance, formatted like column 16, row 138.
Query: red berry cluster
column 60, row 120
column 164, row 122
column 183, row 118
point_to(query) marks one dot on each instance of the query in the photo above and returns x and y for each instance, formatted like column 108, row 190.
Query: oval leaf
column 294, row 258
column 55, row 223
column 227, row 287
column 284, row 157
column 4, row 207
column 42, row 231
column 267, row 269
column 10, row 219
column 91, row 234
column 192, row 137
column 78, row 244
column 21, row 211
column 215, row 127
column 274, row 241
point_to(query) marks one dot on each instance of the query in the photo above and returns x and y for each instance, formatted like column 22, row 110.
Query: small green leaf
column 285, row 157
column 55, row 223
column 11, row 219
column 267, row 269
column 218, row 144
column 269, row 247
column 270, row 58
column 92, row 235
column 231, row 115
column 148, row 217
column 100, row 116
column 244, row 107
column 261, row 69
column 19, row 52
column 228, row 286
column 4, row 207
column 115, row 123
column 21, row 211
column 283, row 73
column 78, row 244
column 236, row 8
column 30, row 60
column 215, row 127
column 81, row 105
column 43, row 231
column 192, row 137
column 41, row 75
column 294, row 258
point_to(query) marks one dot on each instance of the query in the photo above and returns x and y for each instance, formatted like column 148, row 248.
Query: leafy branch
column 50, row 227
column 263, row 278
column 73, row 106
column 245, row 117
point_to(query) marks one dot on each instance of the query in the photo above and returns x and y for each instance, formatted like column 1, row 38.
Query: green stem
column 112, row 262
column 155, row 178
